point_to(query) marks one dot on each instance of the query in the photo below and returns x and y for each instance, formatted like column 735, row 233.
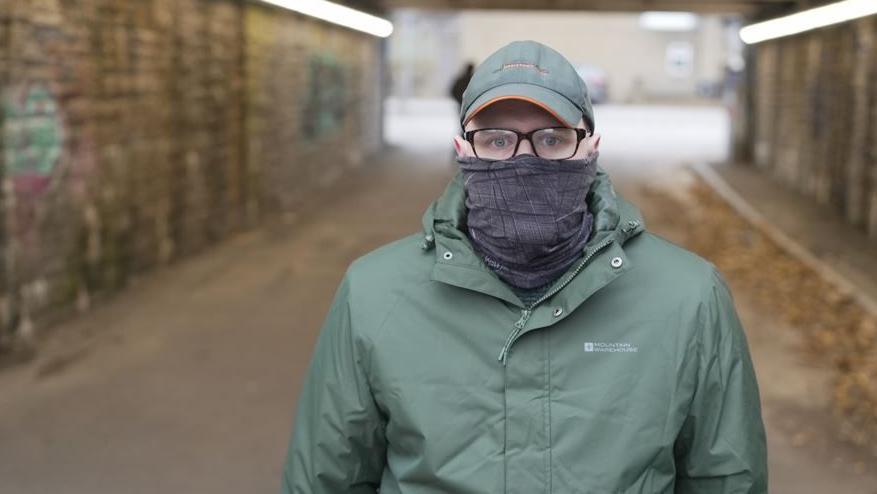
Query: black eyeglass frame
column 580, row 134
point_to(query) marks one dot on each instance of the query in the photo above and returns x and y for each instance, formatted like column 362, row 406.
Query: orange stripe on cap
column 523, row 98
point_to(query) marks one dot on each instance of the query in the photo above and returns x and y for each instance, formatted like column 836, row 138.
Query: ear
column 593, row 143
column 462, row 147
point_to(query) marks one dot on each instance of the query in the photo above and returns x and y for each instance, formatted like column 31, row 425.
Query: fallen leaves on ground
column 837, row 330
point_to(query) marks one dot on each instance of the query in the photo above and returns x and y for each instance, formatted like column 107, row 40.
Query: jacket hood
column 613, row 215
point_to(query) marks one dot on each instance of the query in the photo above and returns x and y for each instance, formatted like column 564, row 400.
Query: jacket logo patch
column 597, row 346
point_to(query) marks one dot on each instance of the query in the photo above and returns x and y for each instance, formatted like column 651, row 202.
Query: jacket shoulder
column 665, row 262
column 376, row 279
column 669, row 251
column 394, row 264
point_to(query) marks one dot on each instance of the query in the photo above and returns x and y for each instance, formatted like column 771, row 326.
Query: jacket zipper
column 519, row 325
column 525, row 313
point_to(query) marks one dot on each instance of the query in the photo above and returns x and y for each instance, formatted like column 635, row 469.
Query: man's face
column 522, row 116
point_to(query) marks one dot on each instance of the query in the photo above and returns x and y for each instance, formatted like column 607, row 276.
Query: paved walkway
column 820, row 229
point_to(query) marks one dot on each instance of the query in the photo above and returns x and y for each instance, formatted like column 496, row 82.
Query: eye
column 552, row 140
column 499, row 142
column 494, row 139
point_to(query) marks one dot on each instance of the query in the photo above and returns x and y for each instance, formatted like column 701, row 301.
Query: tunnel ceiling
column 752, row 8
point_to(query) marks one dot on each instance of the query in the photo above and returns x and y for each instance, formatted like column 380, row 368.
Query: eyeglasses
column 556, row 143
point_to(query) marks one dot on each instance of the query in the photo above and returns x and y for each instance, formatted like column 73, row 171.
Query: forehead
column 514, row 114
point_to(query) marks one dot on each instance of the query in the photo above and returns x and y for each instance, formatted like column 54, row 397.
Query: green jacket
column 631, row 375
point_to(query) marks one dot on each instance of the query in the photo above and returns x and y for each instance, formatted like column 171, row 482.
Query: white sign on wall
column 679, row 59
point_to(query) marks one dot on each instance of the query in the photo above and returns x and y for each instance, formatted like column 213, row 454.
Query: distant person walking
column 461, row 82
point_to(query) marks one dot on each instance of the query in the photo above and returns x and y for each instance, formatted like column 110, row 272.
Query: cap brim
column 554, row 103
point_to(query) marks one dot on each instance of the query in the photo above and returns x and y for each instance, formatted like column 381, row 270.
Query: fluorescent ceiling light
column 338, row 14
column 668, row 21
column 809, row 19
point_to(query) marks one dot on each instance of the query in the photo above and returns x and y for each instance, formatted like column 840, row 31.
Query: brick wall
column 815, row 128
column 815, row 116
column 309, row 92
column 137, row 132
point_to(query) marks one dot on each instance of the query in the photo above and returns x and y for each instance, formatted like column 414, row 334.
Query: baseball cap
column 533, row 72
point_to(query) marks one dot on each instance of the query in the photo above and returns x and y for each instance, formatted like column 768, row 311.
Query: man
column 534, row 337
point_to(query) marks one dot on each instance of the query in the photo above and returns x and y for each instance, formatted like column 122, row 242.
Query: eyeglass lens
column 500, row 144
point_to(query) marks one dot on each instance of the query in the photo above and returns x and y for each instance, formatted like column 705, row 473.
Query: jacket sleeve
column 721, row 447
column 338, row 442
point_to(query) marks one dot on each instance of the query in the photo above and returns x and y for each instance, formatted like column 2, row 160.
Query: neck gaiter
column 527, row 216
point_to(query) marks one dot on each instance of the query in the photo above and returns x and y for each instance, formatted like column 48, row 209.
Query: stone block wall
column 327, row 115
column 815, row 129
column 815, row 116
column 137, row 132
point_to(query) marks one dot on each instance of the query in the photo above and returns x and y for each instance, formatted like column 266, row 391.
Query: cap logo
column 522, row 65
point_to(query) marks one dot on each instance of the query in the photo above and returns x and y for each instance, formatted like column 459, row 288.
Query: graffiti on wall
column 326, row 95
column 33, row 136
column 33, row 144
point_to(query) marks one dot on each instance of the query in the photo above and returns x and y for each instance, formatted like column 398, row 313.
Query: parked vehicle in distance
column 596, row 80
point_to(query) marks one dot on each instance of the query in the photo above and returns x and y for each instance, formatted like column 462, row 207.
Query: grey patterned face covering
column 527, row 216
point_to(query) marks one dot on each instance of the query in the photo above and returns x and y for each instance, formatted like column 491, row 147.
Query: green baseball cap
column 529, row 71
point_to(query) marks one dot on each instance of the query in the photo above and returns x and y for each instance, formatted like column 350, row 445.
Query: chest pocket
column 610, row 405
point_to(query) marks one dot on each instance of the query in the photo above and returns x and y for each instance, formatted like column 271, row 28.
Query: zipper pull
column 525, row 314
column 519, row 325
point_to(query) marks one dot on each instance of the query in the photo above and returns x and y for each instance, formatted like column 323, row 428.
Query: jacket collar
column 444, row 225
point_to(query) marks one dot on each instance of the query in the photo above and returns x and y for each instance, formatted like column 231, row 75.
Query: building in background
column 628, row 58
